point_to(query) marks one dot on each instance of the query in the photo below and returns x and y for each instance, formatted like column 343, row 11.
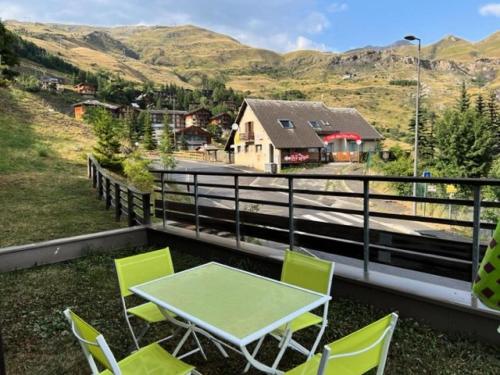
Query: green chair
column 150, row 360
column 139, row 269
column 310, row 273
column 354, row 354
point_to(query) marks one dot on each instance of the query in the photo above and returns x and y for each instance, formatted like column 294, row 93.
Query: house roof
column 303, row 135
column 193, row 130
column 166, row 111
column 350, row 120
column 199, row 109
column 270, row 111
column 219, row 115
column 97, row 103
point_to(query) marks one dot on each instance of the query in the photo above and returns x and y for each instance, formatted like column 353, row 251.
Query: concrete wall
column 36, row 254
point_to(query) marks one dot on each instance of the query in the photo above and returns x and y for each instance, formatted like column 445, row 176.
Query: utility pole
column 417, row 107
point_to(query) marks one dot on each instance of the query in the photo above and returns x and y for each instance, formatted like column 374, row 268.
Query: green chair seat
column 335, row 368
column 149, row 312
column 303, row 321
column 354, row 354
column 152, row 360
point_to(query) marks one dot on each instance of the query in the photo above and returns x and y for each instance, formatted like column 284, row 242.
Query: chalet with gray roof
column 276, row 133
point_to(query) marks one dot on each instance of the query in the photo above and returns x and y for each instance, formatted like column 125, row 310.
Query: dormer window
column 286, row 124
column 315, row 124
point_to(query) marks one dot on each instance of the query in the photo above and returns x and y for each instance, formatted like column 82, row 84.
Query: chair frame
column 386, row 336
column 141, row 334
column 287, row 341
column 100, row 342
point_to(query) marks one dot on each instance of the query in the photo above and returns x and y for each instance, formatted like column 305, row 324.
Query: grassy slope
column 44, row 197
column 38, row 341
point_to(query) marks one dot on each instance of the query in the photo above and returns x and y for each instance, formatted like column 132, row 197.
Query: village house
column 51, row 84
column 85, row 89
column 272, row 134
column 192, row 138
column 223, row 121
column 80, row 108
column 177, row 120
column 198, row 117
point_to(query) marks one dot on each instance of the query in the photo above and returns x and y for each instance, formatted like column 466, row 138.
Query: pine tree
column 493, row 119
column 480, row 106
column 148, row 139
column 130, row 127
column 8, row 54
column 426, row 121
column 166, row 149
column 464, row 99
column 107, row 131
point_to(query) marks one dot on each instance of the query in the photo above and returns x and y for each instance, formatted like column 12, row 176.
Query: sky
column 281, row 25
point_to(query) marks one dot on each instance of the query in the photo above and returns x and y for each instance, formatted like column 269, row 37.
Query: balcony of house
column 236, row 220
column 247, row 136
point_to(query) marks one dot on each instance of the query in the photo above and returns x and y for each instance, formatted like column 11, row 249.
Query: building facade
column 79, row 109
column 85, row 89
column 273, row 134
column 198, row 117
column 192, row 138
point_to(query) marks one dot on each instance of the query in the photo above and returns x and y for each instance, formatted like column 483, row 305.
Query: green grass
column 44, row 192
column 38, row 341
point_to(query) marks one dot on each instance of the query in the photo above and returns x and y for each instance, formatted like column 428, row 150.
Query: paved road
column 401, row 226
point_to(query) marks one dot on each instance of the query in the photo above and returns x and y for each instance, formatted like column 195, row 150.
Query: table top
column 235, row 305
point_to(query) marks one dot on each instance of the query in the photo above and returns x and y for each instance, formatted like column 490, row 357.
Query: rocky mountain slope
column 363, row 78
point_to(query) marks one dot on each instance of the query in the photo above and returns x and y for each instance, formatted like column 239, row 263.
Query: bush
column 42, row 150
column 29, row 83
column 136, row 169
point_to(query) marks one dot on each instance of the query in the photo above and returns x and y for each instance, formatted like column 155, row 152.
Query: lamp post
column 412, row 38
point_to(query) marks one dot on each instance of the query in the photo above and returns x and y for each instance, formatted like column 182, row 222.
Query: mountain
column 365, row 78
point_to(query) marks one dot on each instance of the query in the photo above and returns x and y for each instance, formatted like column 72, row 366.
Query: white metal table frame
column 195, row 325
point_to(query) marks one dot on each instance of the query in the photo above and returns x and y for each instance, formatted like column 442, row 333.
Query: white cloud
column 337, row 7
column 492, row 9
column 315, row 23
column 303, row 43
column 9, row 11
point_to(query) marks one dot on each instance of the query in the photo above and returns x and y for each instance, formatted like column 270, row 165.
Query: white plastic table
column 236, row 306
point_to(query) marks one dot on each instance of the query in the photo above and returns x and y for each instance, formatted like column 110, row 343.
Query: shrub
column 42, row 150
column 136, row 169
column 28, row 83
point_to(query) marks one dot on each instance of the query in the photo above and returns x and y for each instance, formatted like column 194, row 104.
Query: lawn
column 38, row 341
column 44, row 192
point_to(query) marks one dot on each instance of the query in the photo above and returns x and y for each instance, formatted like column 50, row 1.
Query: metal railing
column 306, row 232
column 125, row 200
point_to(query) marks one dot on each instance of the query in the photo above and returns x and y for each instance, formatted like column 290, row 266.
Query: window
column 286, row 124
column 246, row 148
column 249, row 127
column 315, row 124
column 258, row 148
column 238, row 149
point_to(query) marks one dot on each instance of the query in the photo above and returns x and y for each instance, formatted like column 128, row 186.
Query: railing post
column 163, row 204
column 291, row 228
column 99, row 185
column 94, row 176
column 108, row 193
column 118, row 202
column 146, row 208
column 476, row 222
column 130, row 208
column 89, row 167
column 196, row 208
column 237, row 209
column 366, row 225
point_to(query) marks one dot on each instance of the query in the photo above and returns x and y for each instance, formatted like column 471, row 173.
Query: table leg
column 259, row 365
column 254, row 353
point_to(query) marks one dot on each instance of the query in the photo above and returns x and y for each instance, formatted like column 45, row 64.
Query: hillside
column 44, row 192
column 359, row 78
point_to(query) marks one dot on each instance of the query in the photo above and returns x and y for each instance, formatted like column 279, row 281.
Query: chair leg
column 134, row 338
column 254, row 353
column 195, row 336
column 284, row 344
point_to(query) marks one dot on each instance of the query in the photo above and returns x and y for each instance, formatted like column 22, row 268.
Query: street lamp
column 412, row 38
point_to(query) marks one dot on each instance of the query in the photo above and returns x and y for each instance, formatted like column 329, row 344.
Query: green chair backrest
column 89, row 334
column 307, row 272
column 141, row 268
column 362, row 350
